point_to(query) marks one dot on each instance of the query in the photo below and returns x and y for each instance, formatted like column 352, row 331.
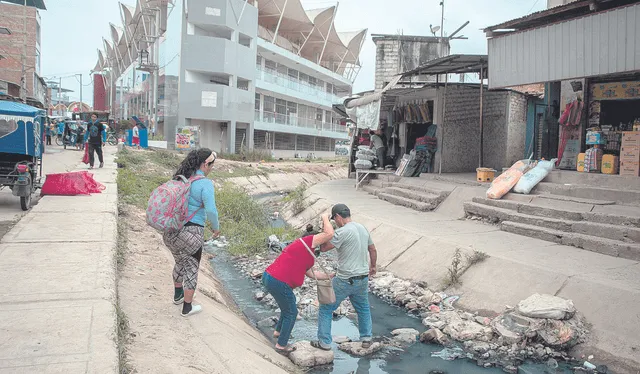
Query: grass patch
column 221, row 174
column 130, row 159
column 297, row 199
column 135, row 187
column 245, row 222
column 122, row 336
column 254, row 155
column 476, row 257
column 166, row 159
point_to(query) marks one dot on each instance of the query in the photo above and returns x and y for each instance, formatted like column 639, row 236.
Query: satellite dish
column 434, row 30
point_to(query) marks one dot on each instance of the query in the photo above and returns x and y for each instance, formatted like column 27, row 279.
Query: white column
column 231, row 137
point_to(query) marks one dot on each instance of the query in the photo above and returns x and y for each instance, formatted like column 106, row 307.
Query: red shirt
column 293, row 263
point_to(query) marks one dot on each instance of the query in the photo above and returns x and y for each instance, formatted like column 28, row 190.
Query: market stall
column 613, row 135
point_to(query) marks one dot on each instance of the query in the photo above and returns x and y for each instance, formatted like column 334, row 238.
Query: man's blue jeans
column 358, row 294
column 283, row 294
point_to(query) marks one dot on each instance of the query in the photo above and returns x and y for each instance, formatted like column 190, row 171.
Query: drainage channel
column 416, row 358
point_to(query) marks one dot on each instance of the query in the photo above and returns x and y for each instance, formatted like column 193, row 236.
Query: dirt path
column 161, row 341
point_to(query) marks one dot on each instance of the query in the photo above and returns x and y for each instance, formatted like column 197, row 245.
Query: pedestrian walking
column 48, row 132
column 357, row 258
column 286, row 273
column 136, row 136
column 186, row 244
column 94, row 138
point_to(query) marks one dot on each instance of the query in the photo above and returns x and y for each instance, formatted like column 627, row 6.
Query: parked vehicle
column 21, row 149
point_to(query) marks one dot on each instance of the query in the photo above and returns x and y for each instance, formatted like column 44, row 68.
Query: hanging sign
column 615, row 90
column 187, row 137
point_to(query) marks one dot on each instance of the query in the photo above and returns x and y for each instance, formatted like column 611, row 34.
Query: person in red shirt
column 286, row 273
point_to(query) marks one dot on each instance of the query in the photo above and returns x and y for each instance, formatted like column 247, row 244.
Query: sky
column 72, row 30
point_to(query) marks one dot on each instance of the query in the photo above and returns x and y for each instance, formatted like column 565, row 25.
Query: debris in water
column 449, row 354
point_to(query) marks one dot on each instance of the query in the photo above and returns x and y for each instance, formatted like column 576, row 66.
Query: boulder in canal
column 356, row 349
column 307, row 356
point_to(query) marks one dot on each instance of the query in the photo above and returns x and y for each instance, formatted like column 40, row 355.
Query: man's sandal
column 316, row 344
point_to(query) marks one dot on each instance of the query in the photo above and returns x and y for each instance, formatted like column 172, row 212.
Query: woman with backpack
column 186, row 244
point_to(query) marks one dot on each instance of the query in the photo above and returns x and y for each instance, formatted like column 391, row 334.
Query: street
column 56, row 160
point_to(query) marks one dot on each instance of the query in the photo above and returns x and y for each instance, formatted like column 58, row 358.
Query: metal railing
column 289, row 120
column 283, row 80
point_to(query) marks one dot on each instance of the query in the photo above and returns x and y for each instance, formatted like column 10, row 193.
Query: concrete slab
column 36, row 335
column 64, row 227
column 496, row 282
column 452, row 205
column 93, row 275
column 623, row 339
column 105, row 203
column 426, row 261
column 396, row 242
column 622, row 210
column 563, row 205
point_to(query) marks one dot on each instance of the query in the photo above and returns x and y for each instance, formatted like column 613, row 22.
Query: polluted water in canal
column 416, row 358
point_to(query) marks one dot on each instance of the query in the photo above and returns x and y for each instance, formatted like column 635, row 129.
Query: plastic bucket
column 485, row 175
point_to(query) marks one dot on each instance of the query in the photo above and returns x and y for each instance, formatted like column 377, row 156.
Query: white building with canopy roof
column 240, row 74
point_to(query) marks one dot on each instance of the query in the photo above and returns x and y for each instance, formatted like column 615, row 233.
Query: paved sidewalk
column 420, row 246
column 57, row 306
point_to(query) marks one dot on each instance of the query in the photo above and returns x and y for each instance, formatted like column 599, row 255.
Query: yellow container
column 485, row 175
column 580, row 165
column 609, row 164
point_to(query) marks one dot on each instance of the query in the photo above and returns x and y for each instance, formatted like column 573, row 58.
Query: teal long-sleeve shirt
column 203, row 194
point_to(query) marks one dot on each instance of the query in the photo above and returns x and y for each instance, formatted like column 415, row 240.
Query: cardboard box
column 630, row 168
column 595, row 137
column 580, row 163
column 631, row 139
column 631, row 154
column 609, row 164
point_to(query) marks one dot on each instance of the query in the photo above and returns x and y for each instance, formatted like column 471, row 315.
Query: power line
column 533, row 6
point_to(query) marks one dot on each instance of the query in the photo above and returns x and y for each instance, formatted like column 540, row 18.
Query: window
column 244, row 40
column 329, row 88
column 242, row 84
column 293, row 74
column 270, row 65
column 269, row 104
column 257, row 105
column 259, row 62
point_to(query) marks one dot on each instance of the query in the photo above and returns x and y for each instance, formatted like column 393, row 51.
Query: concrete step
column 621, row 196
column 626, row 234
column 414, row 195
column 409, row 203
column 422, row 188
column 568, row 212
column 371, row 189
column 609, row 247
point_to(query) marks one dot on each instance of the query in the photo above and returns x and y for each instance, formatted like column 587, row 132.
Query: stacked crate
column 630, row 154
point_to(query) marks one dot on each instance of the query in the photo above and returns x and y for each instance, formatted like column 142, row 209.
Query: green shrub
column 297, row 199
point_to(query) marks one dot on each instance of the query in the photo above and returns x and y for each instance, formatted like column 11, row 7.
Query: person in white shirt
column 136, row 136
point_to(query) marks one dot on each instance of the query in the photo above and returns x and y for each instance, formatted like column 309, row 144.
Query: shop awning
column 452, row 64
column 365, row 111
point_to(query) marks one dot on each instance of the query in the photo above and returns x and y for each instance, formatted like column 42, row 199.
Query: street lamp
column 5, row 31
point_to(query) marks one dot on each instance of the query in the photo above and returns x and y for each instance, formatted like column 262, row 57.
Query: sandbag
column 363, row 164
column 505, row 182
column 534, row 176
column 360, row 155
column 70, row 184
column 366, row 150
column 546, row 306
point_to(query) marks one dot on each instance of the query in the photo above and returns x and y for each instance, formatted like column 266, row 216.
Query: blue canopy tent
column 21, row 129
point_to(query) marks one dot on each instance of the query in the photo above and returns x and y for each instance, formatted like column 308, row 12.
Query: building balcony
column 218, row 55
column 272, row 81
column 268, row 121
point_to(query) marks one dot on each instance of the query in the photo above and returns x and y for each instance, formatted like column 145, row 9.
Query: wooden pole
column 481, row 112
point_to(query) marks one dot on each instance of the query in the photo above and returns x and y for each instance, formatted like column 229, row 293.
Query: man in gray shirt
column 378, row 146
column 357, row 257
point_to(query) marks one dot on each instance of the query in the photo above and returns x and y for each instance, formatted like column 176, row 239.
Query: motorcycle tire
column 58, row 141
column 25, row 202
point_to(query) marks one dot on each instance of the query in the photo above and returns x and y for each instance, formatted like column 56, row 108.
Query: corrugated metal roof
column 452, row 64
column 556, row 14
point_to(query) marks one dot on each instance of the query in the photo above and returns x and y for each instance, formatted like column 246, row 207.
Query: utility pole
column 80, row 90
column 59, row 91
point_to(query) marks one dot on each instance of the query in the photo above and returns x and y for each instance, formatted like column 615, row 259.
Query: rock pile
column 541, row 328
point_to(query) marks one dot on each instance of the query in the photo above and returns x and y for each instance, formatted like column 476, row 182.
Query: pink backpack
column 168, row 207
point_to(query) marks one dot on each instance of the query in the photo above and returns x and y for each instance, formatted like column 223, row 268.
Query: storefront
column 612, row 139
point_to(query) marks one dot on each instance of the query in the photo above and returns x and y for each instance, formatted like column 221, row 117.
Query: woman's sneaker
column 195, row 309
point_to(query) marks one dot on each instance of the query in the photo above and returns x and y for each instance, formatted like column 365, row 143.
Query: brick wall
column 11, row 46
column 395, row 56
column 516, row 128
column 460, row 145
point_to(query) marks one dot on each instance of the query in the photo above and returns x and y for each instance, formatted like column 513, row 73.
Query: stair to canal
column 419, row 198
column 595, row 225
